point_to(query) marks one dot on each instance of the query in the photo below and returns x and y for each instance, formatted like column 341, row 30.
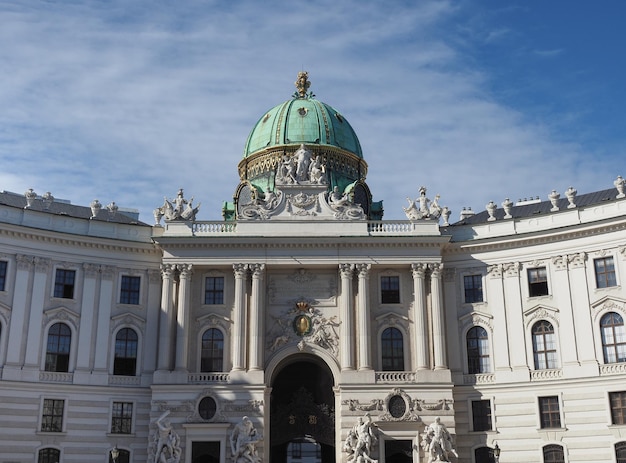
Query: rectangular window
column 473, row 285
column 122, row 418
column 390, row 290
column 549, row 412
column 537, row 282
column 618, row 407
column 64, row 283
column 129, row 292
column 52, row 415
column 481, row 415
column 214, row 290
column 3, row 274
column 605, row 272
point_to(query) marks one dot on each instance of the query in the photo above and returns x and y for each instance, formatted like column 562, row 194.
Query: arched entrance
column 302, row 409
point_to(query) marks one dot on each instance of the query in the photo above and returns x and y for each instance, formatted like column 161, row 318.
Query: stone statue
column 286, row 171
column 437, row 442
column 303, row 160
column 178, row 208
column 316, row 171
column 168, row 443
column 360, row 440
column 423, row 208
column 243, row 442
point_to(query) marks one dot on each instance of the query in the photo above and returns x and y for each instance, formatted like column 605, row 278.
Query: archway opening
column 303, row 411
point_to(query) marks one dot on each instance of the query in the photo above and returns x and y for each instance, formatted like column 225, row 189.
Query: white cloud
column 129, row 101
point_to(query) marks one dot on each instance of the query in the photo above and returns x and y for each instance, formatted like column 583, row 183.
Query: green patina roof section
column 302, row 120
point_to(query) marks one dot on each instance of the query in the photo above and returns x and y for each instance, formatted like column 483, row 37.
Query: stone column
column 500, row 336
column 515, row 321
column 239, row 320
column 583, row 323
column 103, row 334
column 166, row 318
column 88, row 311
column 347, row 319
column 152, row 320
column 439, row 334
column 20, row 312
column 182, row 322
column 256, row 317
column 37, row 302
column 561, row 280
column 419, row 315
column 365, row 361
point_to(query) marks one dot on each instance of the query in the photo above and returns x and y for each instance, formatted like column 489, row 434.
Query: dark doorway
column 205, row 452
column 302, row 408
column 398, row 451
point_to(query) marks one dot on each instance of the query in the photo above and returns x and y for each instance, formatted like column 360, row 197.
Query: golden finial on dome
column 302, row 84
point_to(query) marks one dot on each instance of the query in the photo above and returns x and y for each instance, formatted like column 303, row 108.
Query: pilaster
column 419, row 315
column 347, row 320
column 365, row 361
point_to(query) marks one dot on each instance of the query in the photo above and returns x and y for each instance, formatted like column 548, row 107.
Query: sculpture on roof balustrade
column 178, row 208
column 423, row 208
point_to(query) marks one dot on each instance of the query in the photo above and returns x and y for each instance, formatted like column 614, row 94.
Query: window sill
column 120, row 434
column 51, row 433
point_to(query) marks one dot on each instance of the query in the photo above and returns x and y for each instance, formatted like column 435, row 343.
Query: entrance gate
column 302, row 408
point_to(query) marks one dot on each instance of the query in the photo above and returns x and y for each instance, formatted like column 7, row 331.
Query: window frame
column 615, row 345
column 474, row 416
column 473, row 290
column 214, row 291
column 49, row 458
column 394, row 358
column 4, row 274
column 63, row 414
column 67, row 356
column 137, row 351
column 542, row 412
column 201, row 345
column 467, row 352
column 390, row 296
column 60, row 285
column 620, row 451
column 537, row 285
column 605, row 281
column 130, row 421
column 617, row 412
column 551, row 363
column 552, row 447
column 128, row 295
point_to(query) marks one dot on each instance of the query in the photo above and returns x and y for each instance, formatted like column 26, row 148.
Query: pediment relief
column 540, row 312
column 608, row 304
column 214, row 319
column 61, row 314
column 391, row 318
column 475, row 318
column 127, row 319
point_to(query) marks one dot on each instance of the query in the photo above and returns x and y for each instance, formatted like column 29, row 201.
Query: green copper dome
column 302, row 119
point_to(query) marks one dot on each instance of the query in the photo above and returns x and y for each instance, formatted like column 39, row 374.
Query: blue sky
column 128, row 101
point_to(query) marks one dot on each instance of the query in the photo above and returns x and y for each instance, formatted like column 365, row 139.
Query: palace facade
column 304, row 314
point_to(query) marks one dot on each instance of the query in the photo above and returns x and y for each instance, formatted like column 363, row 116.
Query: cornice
column 85, row 243
column 238, row 244
column 532, row 239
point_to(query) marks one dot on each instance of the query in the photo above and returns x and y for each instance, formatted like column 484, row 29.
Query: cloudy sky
column 129, row 100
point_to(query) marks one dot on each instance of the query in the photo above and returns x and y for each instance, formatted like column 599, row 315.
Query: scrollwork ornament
column 494, row 271
column 577, row 260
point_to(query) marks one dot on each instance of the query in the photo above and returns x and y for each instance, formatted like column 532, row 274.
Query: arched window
column 544, row 345
column 125, row 362
column 49, row 456
column 58, row 348
column 613, row 338
column 477, row 351
column 620, row 452
column 212, row 356
column 392, row 348
column 123, row 456
column 484, row 455
column 553, row 454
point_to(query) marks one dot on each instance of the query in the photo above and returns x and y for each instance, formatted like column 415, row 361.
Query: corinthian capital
column 363, row 270
column 346, row 270
column 240, row 270
column 418, row 270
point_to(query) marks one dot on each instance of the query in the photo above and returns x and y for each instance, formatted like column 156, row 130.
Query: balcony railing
column 395, row 377
column 203, row 378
